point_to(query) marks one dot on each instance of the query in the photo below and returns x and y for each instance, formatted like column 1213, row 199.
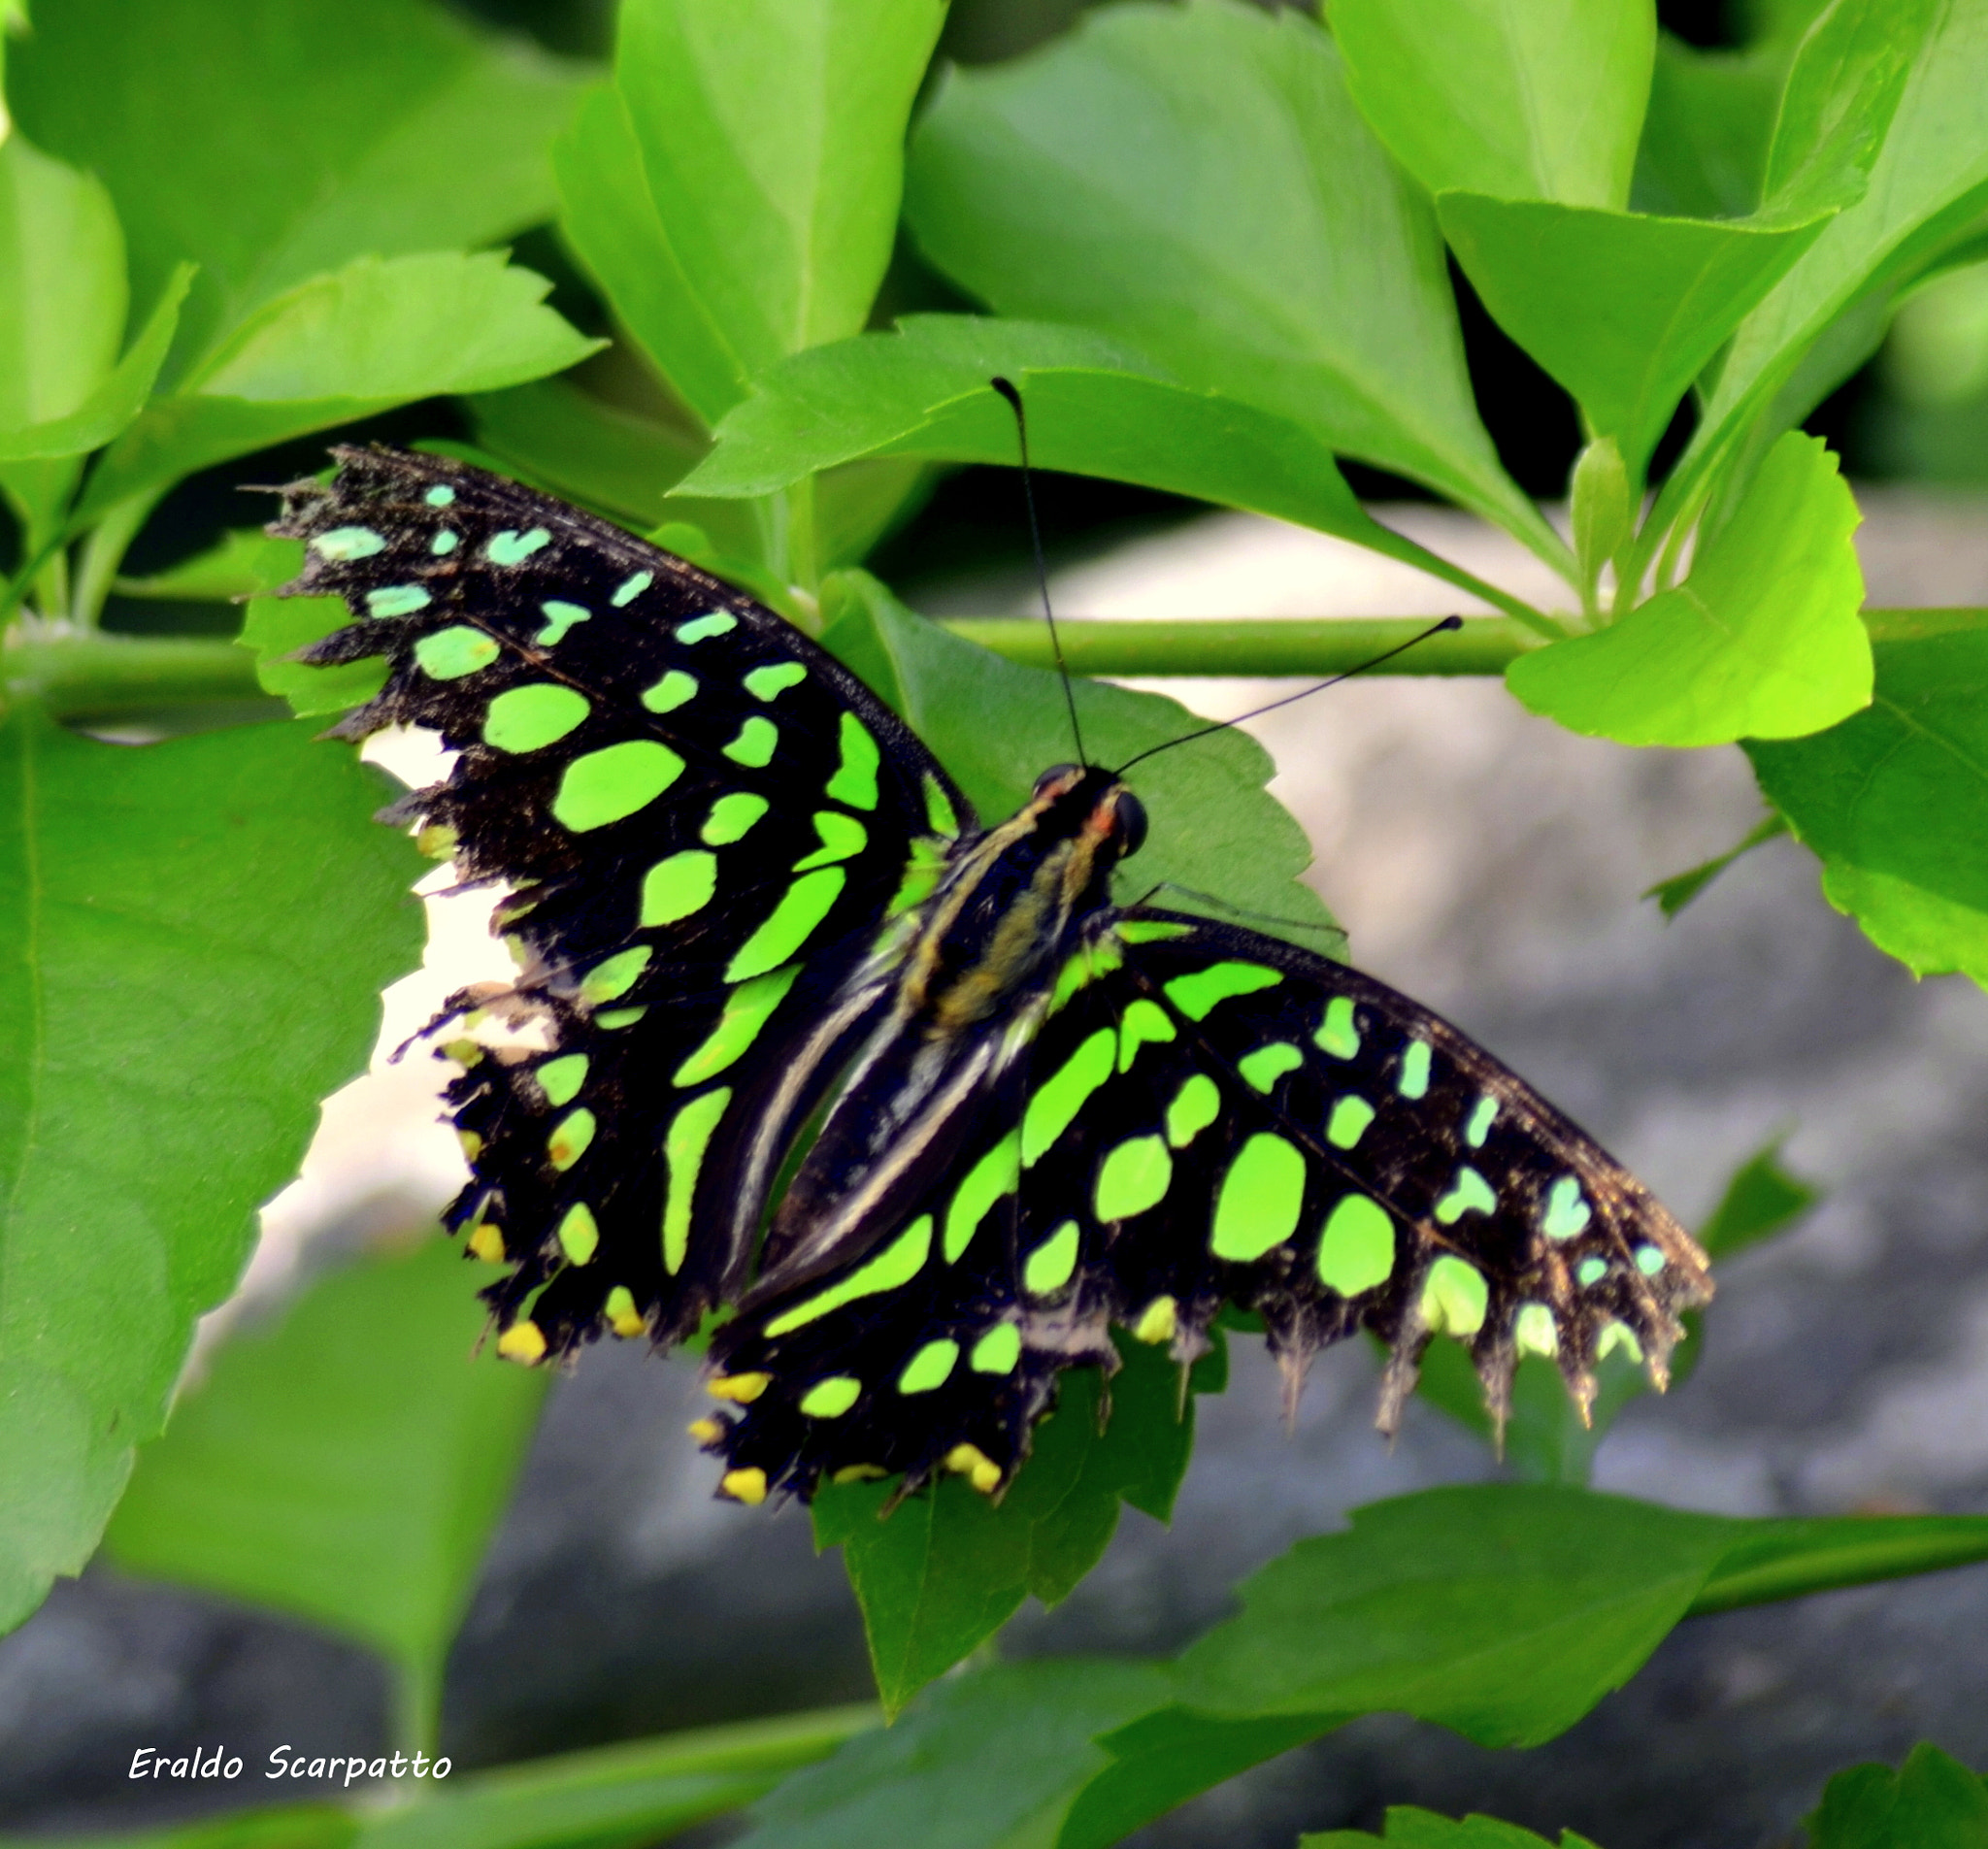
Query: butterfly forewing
column 704, row 819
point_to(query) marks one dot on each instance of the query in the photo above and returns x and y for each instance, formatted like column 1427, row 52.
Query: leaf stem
column 102, row 552
column 417, row 1707
column 1253, row 646
column 95, row 676
column 1789, row 1562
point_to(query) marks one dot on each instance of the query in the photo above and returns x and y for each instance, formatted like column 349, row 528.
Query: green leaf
column 985, row 1760
column 1894, row 802
column 1544, row 1438
column 1503, row 1612
column 271, row 143
column 1672, row 895
column 1410, row 1828
column 1932, row 1801
column 278, row 628
column 304, row 1826
column 233, row 567
column 115, row 405
column 62, row 294
column 1761, row 640
column 997, row 726
column 942, row 1573
column 736, row 193
column 1602, row 509
column 341, row 347
column 1191, row 179
column 1623, row 310
column 1927, row 187
column 1525, row 99
column 1095, row 406
column 1705, row 134
column 1762, row 1200
column 194, row 936
column 348, row 1466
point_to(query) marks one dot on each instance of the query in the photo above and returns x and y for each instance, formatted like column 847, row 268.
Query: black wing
column 1217, row 1117
column 704, row 820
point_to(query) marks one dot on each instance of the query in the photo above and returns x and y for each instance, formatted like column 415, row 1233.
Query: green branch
column 95, row 676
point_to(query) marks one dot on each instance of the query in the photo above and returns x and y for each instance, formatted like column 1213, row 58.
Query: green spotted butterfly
column 743, row 895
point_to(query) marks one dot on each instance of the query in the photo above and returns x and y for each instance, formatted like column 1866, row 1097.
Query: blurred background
column 1491, row 864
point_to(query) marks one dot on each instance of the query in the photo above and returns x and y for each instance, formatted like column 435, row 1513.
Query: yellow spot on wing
column 740, row 1389
column 523, row 1343
column 745, row 1486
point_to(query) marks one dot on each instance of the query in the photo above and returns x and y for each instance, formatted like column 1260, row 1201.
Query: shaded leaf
column 348, row 1465
column 998, row 726
column 194, row 936
column 736, row 193
column 1192, row 179
column 1672, row 895
column 345, row 346
column 940, row 1573
column 233, row 567
column 1932, row 1801
column 1761, row 640
column 988, row 1757
column 1894, row 802
column 377, row 128
column 1524, row 101
column 1095, row 406
column 1412, row 1828
column 1762, row 1198
column 1706, row 133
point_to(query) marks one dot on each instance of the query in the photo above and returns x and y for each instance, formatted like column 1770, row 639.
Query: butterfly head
column 1090, row 802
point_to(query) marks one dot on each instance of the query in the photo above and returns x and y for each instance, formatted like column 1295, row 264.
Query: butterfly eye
column 1057, row 775
column 1131, row 817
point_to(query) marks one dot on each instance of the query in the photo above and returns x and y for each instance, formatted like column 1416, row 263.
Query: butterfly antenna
column 1304, row 693
column 1007, row 388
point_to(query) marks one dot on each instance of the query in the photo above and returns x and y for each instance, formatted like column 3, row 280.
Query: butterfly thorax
column 975, row 981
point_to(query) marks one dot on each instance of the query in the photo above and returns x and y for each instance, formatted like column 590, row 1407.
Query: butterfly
column 747, row 904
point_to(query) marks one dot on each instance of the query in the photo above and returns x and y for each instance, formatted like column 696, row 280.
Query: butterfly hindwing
column 704, row 819
column 1208, row 1116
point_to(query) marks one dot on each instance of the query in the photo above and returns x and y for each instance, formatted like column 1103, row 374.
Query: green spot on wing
column 348, row 543
column 1051, row 1263
column 1350, row 1116
column 440, row 495
column 610, row 980
column 1455, row 1296
column 1264, row 1067
column 1149, row 930
column 683, row 1148
column 775, row 679
column 530, row 717
column 931, row 1367
column 1145, row 1022
column 801, row 907
column 630, row 588
column 1532, row 1332
column 756, row 742
column 1413, row 1079
column 448, row 654
column 1132, row 1179
column 998, row 1351
column 1196, row 994
column 1356, row 1249
column 1339, row 1032
column 890, row 1270
column 572, row 1137
column 396, row 600
column 1054, row 1103
column 987, row 1181
column 716, row 622
column 676, row 887
column 1567, row 1213
column 443, row 543
column 513, row 548
column 561, row 616
column 939, row 810
column 1196, row 1105
column 1470, row 1194
column 842, row 837
column 673, row 690
column 854, row 781
column 1261, row 1198
column 612, row 783
column 732, row 817
column 1649, row 1260
column 1592, row 1270
column 578, row 1237
column 830, row 1399
column 561, row 1078
column 748, row 1010
column 1483, row 1114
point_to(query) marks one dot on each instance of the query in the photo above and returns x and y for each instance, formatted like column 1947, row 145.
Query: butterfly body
column 745, row 897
